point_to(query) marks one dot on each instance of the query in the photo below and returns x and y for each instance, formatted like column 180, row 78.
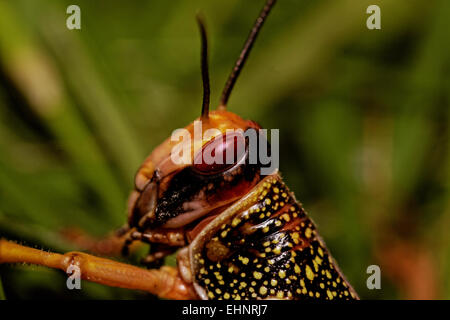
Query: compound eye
column 220, row 154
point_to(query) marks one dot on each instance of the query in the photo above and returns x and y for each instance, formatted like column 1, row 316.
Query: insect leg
column 162, row 243
column 164, row 282
column 111, row 245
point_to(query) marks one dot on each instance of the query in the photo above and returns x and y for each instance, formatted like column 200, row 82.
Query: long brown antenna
column 205, row 72
column 244, row 53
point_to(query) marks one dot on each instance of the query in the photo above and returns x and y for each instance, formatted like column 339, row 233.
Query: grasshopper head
column 199, row 174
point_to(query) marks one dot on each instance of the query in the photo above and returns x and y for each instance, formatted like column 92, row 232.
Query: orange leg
column 165, row 282
column 111, row 245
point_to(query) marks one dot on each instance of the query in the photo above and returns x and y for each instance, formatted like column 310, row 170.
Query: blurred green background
column 363, row 118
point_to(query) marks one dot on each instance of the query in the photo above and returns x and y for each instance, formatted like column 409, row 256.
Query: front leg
column 111, row 245
column 164, row 283
column 163, row 242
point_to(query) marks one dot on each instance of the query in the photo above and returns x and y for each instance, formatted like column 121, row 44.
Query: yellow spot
column 223, row 234
column 263, row 290
column 334, row 284
column 265, row 229
column 243, row 284
column 266, row 244
column 235, row 222
column 245, row 260
column 257, row 275
column 320, row 251
column 268, row 201
column 322, row 285
column 277, row 250
column 282, row 274
column 230, row 269
column 278, row 223
column 317, row 295
column 218, row 291
column 276, row 190
column 296, row 268
column 237, row 298
column 286, row 217
column 316, row 267
column 328, row 274
column 311, row 294
column 330, row 295
column 308, row 232
column 280, row 294
column 273, row 282
column 207, row 281
column 309, row 273
column 211, row 295
column 266, row 269
column 318, row 260
column 243, row 274
column 226, row 295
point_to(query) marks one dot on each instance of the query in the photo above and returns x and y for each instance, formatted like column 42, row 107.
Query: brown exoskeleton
column 240, row 234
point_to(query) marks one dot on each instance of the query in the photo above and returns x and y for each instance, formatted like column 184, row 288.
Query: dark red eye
column 220, row 154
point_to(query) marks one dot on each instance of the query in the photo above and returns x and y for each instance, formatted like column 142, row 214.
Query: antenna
column 204, row 64
column 245, row 53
